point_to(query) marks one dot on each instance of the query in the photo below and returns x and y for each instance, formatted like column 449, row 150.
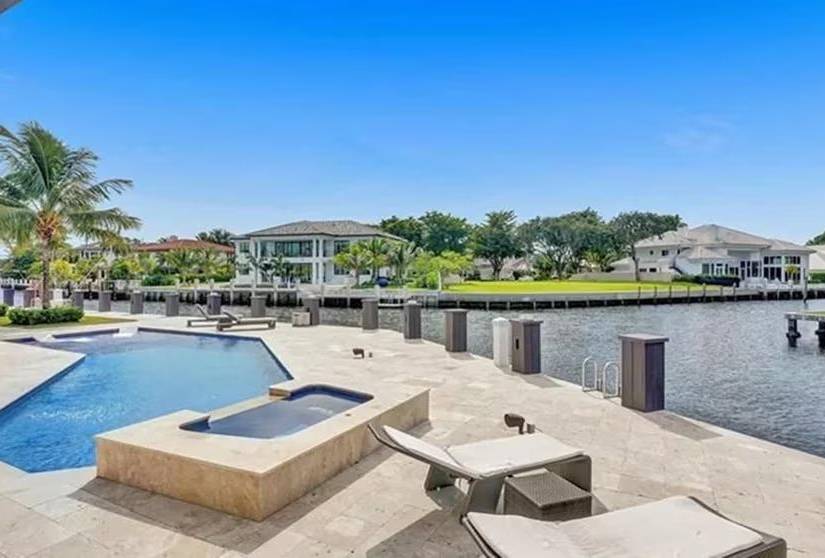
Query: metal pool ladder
column 600, row 377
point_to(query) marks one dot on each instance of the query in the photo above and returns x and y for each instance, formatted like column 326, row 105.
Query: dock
column 794, row 318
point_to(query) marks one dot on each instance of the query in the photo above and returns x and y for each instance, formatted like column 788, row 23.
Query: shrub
column 685, row 278
column 3, row 309
column 34, row 316
column 816, row 277
column 158, row 280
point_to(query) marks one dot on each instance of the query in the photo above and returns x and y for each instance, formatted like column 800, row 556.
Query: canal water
column 727, row 363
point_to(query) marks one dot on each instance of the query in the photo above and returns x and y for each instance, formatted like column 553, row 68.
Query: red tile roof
column 182, row 244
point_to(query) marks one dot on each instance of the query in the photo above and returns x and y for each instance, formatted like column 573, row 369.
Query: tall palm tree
column 378, row 250
column 185, row 263
column 355, row 258
column 50, row 192
column 401, row 257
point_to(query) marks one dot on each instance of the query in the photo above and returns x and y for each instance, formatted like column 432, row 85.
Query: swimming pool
column 304, row 407
column 127, row 378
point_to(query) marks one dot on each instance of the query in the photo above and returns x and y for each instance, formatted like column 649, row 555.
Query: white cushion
column 676, row 527
column 515, row 453
column 428, row 452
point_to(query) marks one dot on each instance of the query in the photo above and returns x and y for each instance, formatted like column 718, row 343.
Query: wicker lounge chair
column 485, row 465
column 676, row 526
column 235, row 321
column 206, row 318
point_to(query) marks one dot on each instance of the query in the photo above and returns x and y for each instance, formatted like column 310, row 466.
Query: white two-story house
column 720, row 251
column 308, row 247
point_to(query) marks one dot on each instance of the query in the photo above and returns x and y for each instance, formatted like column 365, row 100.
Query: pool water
column 303, row 408
column 127, row 378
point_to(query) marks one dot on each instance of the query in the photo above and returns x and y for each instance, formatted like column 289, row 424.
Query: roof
column 182, row 244
column 327, row 228
column 705, row 253
column 817, row 260
column 717, row 235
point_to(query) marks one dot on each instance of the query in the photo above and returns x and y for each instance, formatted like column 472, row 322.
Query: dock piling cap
column 644, row 337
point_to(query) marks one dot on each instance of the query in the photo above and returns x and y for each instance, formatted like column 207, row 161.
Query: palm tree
column 378, row 250
column 185, row 263
column 50, row 192
column 355, row 258
column 401, row 257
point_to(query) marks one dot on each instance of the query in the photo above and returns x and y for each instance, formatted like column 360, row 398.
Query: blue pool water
column 303, row 408
column 127, row 379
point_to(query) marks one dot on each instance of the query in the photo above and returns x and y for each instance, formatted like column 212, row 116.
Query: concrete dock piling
column 313, row 306
column 136, row 302
column 369, row 314
column 455, row 333
column 213, row 303
column 412, row 320
column 526, row 346
column 104, row 301
column 643, row 372
column 257, row 305
column 172, row 303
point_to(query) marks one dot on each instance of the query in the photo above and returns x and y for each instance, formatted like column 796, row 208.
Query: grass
column 85, row 320
column 536, row 287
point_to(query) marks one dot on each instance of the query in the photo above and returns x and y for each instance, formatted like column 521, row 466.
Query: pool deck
column 378, row 507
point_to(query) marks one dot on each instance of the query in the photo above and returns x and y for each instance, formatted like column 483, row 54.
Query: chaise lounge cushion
column 489, row 458
column 516, row 453
column 676, row 527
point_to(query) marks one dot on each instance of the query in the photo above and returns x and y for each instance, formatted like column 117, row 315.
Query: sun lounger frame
column 771, row 547
column 483, row 492
column 235, row 321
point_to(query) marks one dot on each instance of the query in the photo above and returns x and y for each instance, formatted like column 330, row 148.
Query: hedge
column 817, row 277
column 34, row 316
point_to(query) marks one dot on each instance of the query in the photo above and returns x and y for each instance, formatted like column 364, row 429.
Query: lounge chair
column 235, row 320
column 485, row 465
column 206, row 318
column 679, row 526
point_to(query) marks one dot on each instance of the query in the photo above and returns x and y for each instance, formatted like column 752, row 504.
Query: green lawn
column 85, row 320
column 535, row 287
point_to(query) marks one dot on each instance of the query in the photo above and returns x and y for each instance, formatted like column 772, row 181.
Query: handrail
column 595, row 385
column 611, row 366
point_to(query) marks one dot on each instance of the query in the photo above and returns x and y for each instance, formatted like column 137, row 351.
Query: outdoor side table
column 545, row 496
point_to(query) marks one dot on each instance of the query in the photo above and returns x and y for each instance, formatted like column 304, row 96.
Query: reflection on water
column 727, row 363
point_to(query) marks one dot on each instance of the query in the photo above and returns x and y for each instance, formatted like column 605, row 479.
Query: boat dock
column 793, row 334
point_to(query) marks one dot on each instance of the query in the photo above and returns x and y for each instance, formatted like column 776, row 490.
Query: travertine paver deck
column 378, row 508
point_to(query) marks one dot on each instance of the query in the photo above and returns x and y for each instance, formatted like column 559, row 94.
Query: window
column 287, row 248
column 340, row 246
column 665, row 252
column 706, row 269
column 793, row 260
column 338, row 270
column 651, row 252
column 299, row 272
column 243, row 247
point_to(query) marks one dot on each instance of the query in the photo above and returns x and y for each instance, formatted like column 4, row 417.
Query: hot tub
column 299, row 410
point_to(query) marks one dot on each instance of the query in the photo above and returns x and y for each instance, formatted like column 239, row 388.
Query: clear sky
column 247, row 114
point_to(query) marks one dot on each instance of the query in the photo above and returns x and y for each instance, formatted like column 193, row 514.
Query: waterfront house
column 307, row 247
column 720, row 251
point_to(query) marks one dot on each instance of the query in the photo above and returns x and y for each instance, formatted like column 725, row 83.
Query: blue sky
column 251, row 113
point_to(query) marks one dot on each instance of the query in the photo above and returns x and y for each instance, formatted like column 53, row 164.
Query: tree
column 633, row 226
column 818, row 239
column 217, row 236
column 184, row 263
column 495, row 240
column 401, row 256
column 378, row 251
column 50, row 191
column 268, row 266
column 355, row 259
column 431, row 269
column 443, row 232
column 561, row 243
column 410, row 229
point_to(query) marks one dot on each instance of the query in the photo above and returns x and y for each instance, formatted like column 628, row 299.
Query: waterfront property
column 377, row 507
column 718, row 251
column 307, row 247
